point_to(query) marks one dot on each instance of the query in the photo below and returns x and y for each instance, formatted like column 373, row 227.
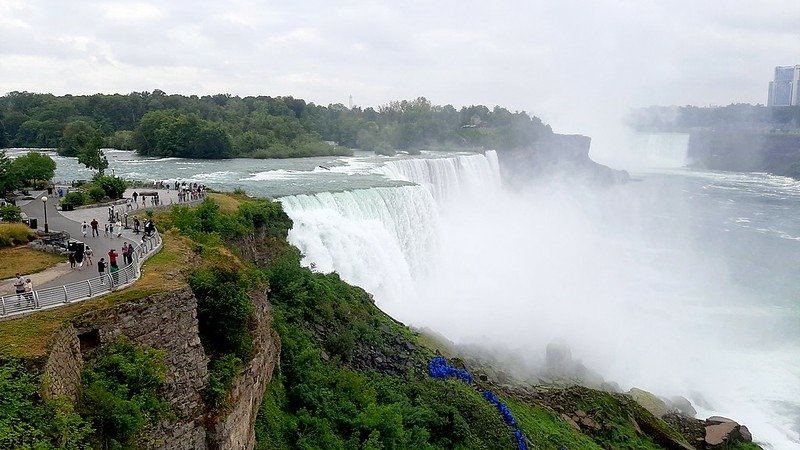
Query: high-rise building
column 785, row 89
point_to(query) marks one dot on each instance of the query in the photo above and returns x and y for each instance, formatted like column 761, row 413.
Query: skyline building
column 784, row 90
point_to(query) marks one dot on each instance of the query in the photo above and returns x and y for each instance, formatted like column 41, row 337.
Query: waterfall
column 448, row 178
column 384, row 238
column 663, row 150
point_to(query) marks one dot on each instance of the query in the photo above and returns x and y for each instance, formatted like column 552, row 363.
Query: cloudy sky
column 576, row 64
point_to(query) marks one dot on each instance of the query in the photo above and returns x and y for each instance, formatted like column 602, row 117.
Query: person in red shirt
column 112, row 258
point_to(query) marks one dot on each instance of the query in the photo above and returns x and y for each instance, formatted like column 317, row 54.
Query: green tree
column 82, row 139
column 31, row 168
column 7, row 181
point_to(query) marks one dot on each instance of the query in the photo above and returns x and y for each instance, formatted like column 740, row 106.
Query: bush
column 114, row 187
column 75, row 198
column 12, row 234
column 96, row 193
column 222, row 372
column 28, row 422
column 10, row 213
column 120, row 393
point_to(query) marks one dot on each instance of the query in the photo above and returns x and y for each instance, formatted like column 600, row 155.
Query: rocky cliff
column 744, row 151
column 556, row 154
column 168, row 322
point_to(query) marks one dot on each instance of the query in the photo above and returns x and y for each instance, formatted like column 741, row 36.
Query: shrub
column 222, row 373
column 120, row 393
column 10, row 213
column 96, row 193
column 113, row 186
column 75, row 198
column 12, row 234
column 26, row 421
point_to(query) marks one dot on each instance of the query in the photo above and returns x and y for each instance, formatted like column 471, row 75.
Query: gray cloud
column 577, row 64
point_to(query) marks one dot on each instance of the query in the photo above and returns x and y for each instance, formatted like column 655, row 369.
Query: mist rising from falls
column 637, row 151
column 616, row 273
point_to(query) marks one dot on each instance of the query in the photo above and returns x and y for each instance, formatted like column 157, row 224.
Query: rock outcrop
column 744, row 151
column 168, row 322
column 556, row 154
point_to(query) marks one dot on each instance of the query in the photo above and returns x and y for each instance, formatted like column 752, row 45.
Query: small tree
column 82, row 139
column 7, row 182
column 28, row 169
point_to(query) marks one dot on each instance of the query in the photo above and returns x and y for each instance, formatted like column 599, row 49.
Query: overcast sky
column 576, row 64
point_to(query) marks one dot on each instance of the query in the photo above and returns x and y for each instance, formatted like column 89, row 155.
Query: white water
column 645, row 151
column 653, row 284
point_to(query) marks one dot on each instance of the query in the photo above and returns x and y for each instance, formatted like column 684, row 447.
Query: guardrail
column 55, row 296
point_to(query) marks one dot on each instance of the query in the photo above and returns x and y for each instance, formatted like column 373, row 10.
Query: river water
column 681, row 282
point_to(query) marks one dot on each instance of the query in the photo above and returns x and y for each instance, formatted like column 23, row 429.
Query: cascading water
column 663, row 150
column 383, row 239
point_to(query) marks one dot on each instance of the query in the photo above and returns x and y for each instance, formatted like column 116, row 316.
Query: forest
column 739, row 116
column 223, row 126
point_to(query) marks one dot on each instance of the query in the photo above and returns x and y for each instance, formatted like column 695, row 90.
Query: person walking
column 101, row 269
column 135, row 196
column 71, row 260
column 95, row 231
column 88, row 253
column 114, row 277
column 111, row 230
column 28, row 291
column 84, row 228
column 19, row 287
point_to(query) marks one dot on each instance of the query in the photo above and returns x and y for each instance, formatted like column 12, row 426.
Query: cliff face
column 168, row 322
column 556, row 154
column 744, row 151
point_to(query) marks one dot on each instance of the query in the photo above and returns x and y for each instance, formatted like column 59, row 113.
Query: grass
column 546, row 429
column 25, row 261
column 228, row 203
column 12, row 234
column 30, row 337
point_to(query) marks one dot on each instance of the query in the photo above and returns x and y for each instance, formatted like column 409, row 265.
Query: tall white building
column 784, row 90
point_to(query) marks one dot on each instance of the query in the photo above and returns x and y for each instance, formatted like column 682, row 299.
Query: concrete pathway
column 70, row 221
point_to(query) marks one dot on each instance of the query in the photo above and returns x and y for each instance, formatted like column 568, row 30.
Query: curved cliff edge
column 554, row 154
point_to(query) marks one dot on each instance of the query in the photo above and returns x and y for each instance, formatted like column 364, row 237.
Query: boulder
column 721, row 432
column 648, row 401
column 681, row 405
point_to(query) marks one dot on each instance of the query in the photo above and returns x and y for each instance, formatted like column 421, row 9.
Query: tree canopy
column 29, row 169
column 82, row 139
column 222, row 126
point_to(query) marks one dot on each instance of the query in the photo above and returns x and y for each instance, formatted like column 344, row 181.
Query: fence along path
column 55, row 296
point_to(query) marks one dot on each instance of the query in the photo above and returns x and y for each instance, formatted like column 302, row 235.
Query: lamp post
column 44, row 205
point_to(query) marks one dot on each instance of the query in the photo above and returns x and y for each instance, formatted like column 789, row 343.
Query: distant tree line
column 734, row 116
column 223, row 126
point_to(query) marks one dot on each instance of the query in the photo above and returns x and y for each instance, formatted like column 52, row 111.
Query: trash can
column 67, row 207
column 33, row 222
column 49, row 190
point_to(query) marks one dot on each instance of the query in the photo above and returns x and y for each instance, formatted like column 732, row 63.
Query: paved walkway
column 70, row 221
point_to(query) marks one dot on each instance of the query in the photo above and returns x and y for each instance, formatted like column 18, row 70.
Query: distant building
column 785, row 89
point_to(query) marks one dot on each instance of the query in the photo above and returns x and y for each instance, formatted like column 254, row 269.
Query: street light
column 44, row 205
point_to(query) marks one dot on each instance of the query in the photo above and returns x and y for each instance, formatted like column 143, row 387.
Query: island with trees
column 225, row 126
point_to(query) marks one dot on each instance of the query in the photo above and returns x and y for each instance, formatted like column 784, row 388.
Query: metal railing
column 52, row 297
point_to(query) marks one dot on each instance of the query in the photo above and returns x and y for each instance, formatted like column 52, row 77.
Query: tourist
column 125, row 253
column 71, row 260
column 114, row 277
column 79, row 259
column 111, row 230
column 110, row 213
column 95, row 224
column 29, row 291
column 84, row 228
column 112, row 257
column 19, row 287
column 136, row 225
column 105, row 230
column 88, row 253
column 118, row 226
column 101, row 268
column 135, row 196
column 130, row 254
column 128, row 205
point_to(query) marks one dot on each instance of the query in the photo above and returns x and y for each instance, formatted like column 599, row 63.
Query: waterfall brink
column 664, row 150
column 451, row 177
column 384, row 238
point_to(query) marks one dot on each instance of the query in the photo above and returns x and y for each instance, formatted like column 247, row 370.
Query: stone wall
column 234, row 428
column 62, row 370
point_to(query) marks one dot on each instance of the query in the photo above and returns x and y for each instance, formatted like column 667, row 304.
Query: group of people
column 112, row 266
column 77, row 257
